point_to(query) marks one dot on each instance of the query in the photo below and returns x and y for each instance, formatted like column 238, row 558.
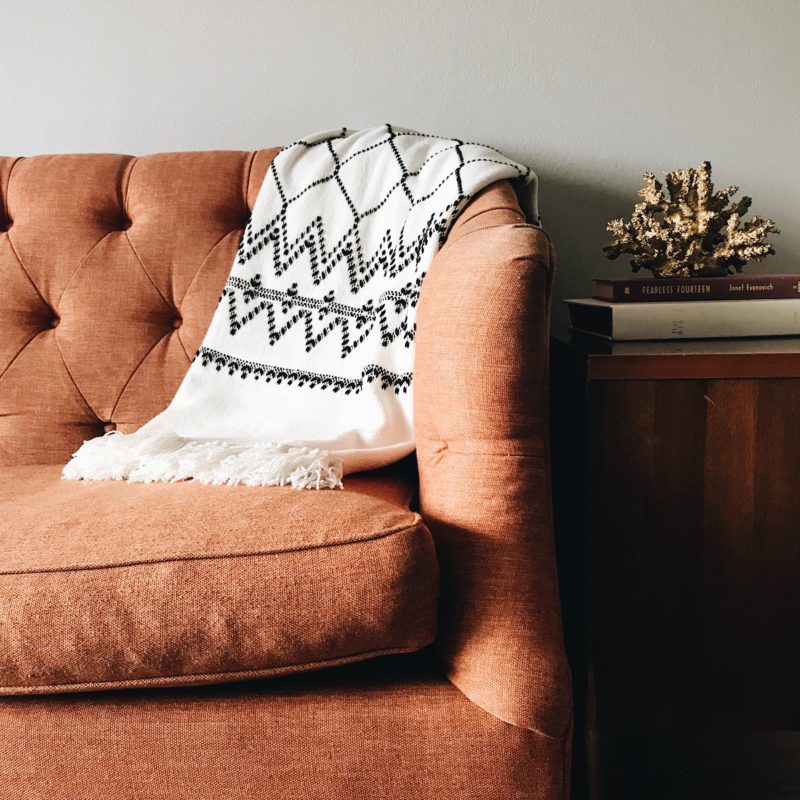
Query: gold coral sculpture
column 693, row 231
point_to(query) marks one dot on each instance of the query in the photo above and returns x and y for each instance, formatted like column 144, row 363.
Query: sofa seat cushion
column 116, row 585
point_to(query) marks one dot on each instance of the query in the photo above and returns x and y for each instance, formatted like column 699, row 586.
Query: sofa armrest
column 482, row 446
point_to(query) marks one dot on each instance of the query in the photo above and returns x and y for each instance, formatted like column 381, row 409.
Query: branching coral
column 693, row 231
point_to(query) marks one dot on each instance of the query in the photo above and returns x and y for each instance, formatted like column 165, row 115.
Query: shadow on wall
column 575, row 214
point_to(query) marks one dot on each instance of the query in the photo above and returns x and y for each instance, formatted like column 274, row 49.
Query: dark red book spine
column 672, row 290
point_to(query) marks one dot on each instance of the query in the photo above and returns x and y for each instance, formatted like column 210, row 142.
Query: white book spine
column 706, row 319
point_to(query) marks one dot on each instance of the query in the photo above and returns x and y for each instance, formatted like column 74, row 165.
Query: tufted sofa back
column 110, row 269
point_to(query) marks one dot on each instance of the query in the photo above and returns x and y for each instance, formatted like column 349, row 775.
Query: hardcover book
column 732, row 287
column 700, row 320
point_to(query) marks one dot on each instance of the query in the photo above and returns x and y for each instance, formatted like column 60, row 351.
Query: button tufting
column 125, row 224
column 5, row 224
column 177, row 322
column 109, row 426
column 54, row 322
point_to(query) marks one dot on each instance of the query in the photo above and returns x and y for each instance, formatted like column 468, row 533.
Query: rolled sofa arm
column 482, row 447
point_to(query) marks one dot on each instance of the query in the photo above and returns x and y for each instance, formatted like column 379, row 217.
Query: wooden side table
column 676, row 472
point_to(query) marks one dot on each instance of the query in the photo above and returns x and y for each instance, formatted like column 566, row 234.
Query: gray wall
column 590, row 94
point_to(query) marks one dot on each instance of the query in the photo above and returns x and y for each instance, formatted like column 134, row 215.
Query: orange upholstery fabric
column 481, row 423
column 113, row 584
column 383, row 731
column 111, row 268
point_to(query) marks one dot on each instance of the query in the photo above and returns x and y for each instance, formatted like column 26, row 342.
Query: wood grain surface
column 678, row 526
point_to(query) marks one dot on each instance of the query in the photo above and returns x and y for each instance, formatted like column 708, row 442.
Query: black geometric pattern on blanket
column 283, row 310
column 314, row 380
column 389, row 259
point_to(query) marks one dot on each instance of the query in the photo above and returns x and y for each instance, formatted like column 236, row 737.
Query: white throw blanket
column 305, row 372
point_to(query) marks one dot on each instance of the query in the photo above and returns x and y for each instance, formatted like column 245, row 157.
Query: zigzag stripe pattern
column 320, row 318
column 390, row 258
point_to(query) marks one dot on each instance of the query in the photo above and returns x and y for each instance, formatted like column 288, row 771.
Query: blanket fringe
column 166, row 457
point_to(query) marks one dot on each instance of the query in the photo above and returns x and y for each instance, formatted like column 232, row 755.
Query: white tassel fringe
column 166, row 457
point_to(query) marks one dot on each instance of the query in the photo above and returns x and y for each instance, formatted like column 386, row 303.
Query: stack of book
column 630, row 309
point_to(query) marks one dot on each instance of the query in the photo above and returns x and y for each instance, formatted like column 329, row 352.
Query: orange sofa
column 168, row 640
